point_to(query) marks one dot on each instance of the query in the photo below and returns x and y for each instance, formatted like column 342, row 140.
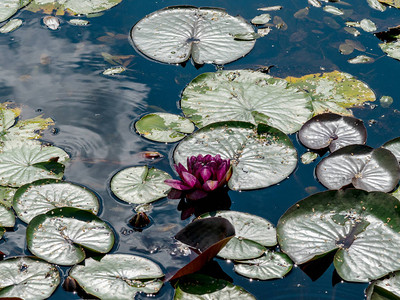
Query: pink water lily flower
column 203, row 175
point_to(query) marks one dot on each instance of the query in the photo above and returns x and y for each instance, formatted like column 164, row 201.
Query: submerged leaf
column 174, row 34
column 245, row 95
column 140, row 185
column 27, row 278
column 334, row 91
column 253, row 152
column 362, row 166
column 118, row 276
column 164, row 127
column 361, row 227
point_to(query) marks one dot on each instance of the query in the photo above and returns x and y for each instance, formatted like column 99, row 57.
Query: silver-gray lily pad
column 245, row 95
column 9, row 7
column 27, row 278
column 118, row 276
column 139, row 185
column 394, row 147
column 174, row 34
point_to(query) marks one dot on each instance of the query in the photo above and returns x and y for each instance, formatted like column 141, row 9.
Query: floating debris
column 114, row 70
column 79, row 22
column 264, row 31
column 308, row 157
column 261, row 19
column 279, row 23
column 315, row 3
column 352, row 31
column 270, row 8
column 375, row 4
column 11, row 26
column 361, row 59
column 333, row 10
column 249, row 36
column 367, row 25
column 386, row 101
column 51, row 22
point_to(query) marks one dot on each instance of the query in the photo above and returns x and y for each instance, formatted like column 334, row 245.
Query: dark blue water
column 59, row 73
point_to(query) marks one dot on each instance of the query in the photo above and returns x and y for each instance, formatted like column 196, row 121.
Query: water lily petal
column 180, row 168
column 205, row 173
column 177, row 184
column 210, row 185
column 189, row 179
column 175, row 194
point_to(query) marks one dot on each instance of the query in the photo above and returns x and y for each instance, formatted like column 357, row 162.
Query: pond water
column 59, row 74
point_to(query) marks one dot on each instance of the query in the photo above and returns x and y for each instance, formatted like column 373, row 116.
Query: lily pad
column 9, row 7
column 77, row 7
column 385, row 289
column 269, row 266
column 10, row 130
column 60, row 235
column 308, row 157
column 118, row 276
column 7, row 219
column 333, row 131
column 139, row 185
column 392, row 49
column 253, row 151
column 245, row 95
column 362, row 166
column 252, row 234
column 41, row 196
column 164, row 127
column 394, row 147
column 396, row 193
column 24, row 162
column 199, row 287
column 333, row 92
column 362, row 227
column 174, row 34
column 27, row 278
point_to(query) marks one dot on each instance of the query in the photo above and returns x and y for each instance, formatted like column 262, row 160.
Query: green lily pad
column 118, row 276
column 22, row 162
column 174, row 34
column 9, row 7
column 396, row 193
column 394, row 3
column 333, row 92
column 333, row 131
column 200, row 287
column 139, row 185
column 269, row 266
column 245, row 95
column 77, row 7
column 362, row 226
column 27, row 278
column 253, row 151
column 394, row 147
column 60, row 235
column 164, row 127
column 252, row 233
column 392, row 49
column 385, row 289
column 41, row 196
column 362, row 166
